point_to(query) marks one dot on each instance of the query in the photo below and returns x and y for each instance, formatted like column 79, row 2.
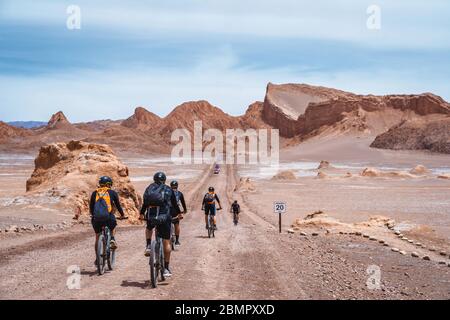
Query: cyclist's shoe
column 215, row 227
column 177, row 243
column 148, row 251
column 167, row 273
column 113, row 244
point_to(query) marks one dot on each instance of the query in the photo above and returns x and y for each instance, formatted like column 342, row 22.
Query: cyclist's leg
column 164, row 233
column 213, row 213
column 97, row 229
column 207, row 208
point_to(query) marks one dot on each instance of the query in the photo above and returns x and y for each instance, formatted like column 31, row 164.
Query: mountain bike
column 211, row 226
column 156, row 260
column 235, row 218
column 105, row 255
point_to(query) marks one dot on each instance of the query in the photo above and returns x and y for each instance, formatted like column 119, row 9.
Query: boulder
column 70, row 173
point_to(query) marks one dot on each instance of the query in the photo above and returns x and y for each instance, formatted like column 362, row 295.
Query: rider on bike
column 111, row 199
column 161, row 208
column 176, row 211
column 209, row 205
column 235, row 209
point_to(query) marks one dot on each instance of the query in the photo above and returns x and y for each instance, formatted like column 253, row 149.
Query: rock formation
column 70, row 172
column 8, row 132
column 284, row 175
column 143, row 120
column 59, row 121
column 433, row 135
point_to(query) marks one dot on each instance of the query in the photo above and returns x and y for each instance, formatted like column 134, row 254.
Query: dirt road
column 248, row 261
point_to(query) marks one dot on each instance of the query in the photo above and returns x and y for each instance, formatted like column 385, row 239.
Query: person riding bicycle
column 176, row 211
column 158, row 199
column 103, row 204
column 235, row 210
column 209, row 205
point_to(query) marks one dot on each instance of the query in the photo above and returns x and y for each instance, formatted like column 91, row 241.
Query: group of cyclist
column 163, row 206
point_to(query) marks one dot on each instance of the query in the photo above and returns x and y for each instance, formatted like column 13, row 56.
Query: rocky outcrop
column 284, row 104
column 59, row 121
column 187, row 113
column 7, row 132
column 284, row 175
column 433, row 135
column 70, row 171
column 143, row 120
column 299, row 110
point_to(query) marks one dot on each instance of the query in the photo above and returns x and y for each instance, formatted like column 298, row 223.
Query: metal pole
column 279, row 220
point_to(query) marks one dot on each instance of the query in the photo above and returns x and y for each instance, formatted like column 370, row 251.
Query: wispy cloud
column 161, row 53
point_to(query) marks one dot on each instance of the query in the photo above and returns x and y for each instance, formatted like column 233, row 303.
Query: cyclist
column 104, row 201
column 209, row 205
column 176, row 211
column 158, row 198
column 235, row 210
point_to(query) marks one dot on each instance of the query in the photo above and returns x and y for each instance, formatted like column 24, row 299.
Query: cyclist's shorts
column 210, row 209
column 163, row 229
column 111, row 223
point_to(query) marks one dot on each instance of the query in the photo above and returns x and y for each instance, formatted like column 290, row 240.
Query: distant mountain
column 27, row 124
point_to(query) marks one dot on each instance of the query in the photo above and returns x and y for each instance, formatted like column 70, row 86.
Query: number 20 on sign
column 279, row 207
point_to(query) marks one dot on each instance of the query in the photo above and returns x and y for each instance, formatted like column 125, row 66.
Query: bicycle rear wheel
column 101, row 248
column 161, row 261
column 153, row 270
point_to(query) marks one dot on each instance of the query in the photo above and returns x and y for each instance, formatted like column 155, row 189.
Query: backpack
column 210, row 198
column 103, row 207
column 154, row 195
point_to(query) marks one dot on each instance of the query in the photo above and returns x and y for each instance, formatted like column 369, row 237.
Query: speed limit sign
column 279, row 207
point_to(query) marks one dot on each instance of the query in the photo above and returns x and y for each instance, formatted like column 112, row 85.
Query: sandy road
column 239, row 263
column 248, row 261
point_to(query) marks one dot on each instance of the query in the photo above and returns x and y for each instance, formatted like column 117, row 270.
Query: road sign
column 279, row 207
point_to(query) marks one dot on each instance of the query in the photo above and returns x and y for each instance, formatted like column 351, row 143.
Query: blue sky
column 159, row 54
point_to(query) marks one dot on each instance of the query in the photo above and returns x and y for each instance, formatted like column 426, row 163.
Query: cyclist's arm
column 204, row 202
column 183, row 202
column 92, row 202
column 115, row 198
column 218, row 200
column 173, row 201
column 145, row 206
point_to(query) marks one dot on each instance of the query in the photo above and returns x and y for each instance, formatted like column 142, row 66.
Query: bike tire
column 101, row 255
column 153, row 271
column 161, row 263
column 110, row 254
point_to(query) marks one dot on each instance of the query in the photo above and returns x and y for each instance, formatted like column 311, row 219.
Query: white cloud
column 410, row 24
column 89, row 94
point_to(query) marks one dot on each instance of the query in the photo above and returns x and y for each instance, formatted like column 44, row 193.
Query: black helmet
column 235, row 201
column 211, row 189
column 105, row 181
column 160, row 178
column 174, row 184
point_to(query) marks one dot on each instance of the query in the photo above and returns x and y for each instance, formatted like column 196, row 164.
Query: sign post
column 279, row 207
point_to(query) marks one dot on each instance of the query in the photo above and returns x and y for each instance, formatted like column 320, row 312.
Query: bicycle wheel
column 101, row 254
column 209, row 228
column 153, row 270
column 110, row 254
column 161, row 261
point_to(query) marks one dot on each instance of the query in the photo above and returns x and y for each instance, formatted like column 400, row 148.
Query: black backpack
column 155, row 195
